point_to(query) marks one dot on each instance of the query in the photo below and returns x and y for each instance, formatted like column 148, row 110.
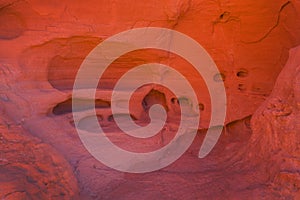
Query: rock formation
column 254, row 45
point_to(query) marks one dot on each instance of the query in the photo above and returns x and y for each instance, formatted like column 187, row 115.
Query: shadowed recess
column 111, row 118
column 11, row 24
column 65, row 62
column 83, row 104
column 154, row 97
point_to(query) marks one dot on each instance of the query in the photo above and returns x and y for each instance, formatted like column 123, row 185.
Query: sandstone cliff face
column 42, row 45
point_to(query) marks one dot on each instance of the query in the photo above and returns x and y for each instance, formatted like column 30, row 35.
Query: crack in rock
column 272, row 28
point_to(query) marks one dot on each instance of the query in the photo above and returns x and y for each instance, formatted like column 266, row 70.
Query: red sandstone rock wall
column 42, row 45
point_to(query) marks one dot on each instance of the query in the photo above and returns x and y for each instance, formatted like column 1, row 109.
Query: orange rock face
column 44, row 43
column 31, row 168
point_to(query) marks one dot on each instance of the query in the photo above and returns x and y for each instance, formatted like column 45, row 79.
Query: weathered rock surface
column 276, row 131
column 42, row 45
column 32, row 169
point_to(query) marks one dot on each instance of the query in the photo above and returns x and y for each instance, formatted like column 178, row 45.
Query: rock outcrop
column 30, row 168
column 42, row 46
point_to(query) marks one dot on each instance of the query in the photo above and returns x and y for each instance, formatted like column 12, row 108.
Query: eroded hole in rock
column 66, row 106
column 111, row 118
column 219, row 77
column 256, row 89
column 242, row 73
column 201, row 106
column 11, row 24
column 174, row 100
column 242, row 87
column 175, row 109
column 224, row 16
column 184, row 101
column 154, row 97
column 186, row 106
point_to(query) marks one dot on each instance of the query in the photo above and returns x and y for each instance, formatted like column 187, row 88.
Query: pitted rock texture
column 240, row 37
column 42, row 46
